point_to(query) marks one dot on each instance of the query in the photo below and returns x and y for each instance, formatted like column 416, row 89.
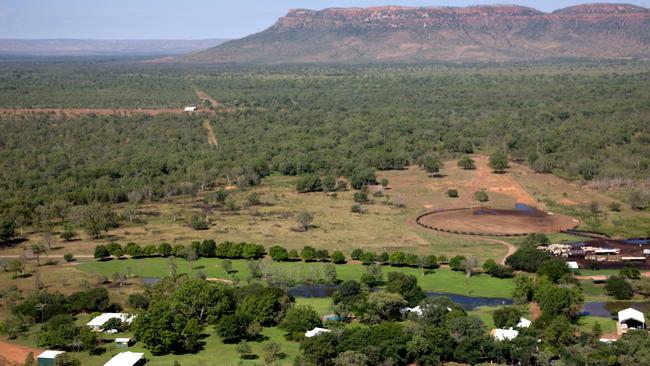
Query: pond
column 608, row 309
column 472, row 302
column 468, row 302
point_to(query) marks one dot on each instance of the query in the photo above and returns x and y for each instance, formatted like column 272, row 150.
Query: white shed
column 97, row 322
column 190, row 108
column 573, row 265
column 316, row 331
column 504, row 334
column 126, row 359
column 630, row 319
column 124, row 342
column 48, row 358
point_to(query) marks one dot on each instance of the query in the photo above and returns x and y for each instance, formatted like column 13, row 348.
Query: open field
column 441, row 280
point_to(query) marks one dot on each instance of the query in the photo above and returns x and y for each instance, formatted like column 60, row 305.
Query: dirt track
column 212, row 138
column 484, row 178
column 89, row 111
column 11, row 354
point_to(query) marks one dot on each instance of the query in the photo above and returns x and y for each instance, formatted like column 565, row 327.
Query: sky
column 186, row 19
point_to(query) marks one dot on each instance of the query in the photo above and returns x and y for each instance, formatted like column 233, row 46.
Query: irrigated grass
column 441, row 280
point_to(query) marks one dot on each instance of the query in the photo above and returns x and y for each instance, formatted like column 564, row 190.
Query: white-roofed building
column 630, row 319
column 523, row 323
column 504, row 334
column 573, row 265
column 316, row 331
column 126, row 359
column 48, row 358
column 190, row 108
column 123, row 342
column 97, row 322
column 416, row 310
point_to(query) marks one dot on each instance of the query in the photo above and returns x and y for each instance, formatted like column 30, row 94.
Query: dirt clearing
column 13, row 354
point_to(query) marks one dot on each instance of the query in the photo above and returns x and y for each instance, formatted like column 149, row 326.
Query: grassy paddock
column 441, row 280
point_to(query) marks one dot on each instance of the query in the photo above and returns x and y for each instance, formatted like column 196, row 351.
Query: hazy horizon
column 190, row 20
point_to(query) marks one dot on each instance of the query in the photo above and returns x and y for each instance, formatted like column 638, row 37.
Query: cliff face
column 479, row 33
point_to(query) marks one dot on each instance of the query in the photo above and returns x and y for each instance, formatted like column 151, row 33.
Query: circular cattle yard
column 484, row 221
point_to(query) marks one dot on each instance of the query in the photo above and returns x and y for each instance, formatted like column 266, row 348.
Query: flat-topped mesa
column 424, row 34
column 601, row 8
column 395, row 16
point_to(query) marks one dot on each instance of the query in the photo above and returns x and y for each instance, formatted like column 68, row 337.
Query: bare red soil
column 13, row 354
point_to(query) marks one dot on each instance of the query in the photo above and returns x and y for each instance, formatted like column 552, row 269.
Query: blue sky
column 183, row 19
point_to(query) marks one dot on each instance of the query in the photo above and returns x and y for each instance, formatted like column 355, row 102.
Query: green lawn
column 442, row 280
column 322, row 306
column 586, row 324
column 215, row 352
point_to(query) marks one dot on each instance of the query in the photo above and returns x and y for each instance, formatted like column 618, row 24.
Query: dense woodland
column 581, row 121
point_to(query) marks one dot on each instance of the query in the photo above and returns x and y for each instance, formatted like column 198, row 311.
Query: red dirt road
column 13, row 354
column 97, row 111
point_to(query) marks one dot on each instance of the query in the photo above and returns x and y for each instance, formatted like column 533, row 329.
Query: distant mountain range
column 478, row 33
column 84, row 47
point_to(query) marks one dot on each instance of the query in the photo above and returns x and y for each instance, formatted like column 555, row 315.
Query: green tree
column 37, row 250
column 308, row 254
column 384, row 306
column 456, row 263
column 337, row 257
column 499, row 161
column 466, row 163
column 7, row 230
column 278, row 253
column 406, row 286
column 233, row 328
column 619, row 288
column 630, row 272
column 68, row 232
column 431, row 164
column 15, row 266
column 553, row 269
column 300, row 319
column 272, row 353
column 356, row 253
column 506, row 317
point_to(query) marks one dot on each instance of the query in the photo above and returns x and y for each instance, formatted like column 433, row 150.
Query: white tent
column 97, row 322
column 524, row 323
column 573, row 265
column 504, row 334
column 316, row 331
column 126, row 359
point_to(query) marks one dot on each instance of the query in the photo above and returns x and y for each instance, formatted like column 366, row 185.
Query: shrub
column 322, row 255
column 338, row 257
column 481, row 196
column 308, row 254
column 198, row 222
column 553, row 269
column 308, row 183
column 367, row 258
column 164, row 249
column 101, row 252
column 357, row 208
column 453, row 193
column 132, row 249
column 361, row 196
column 356, row 253
column 496, row 270
column 68, row 257
column 278, row 253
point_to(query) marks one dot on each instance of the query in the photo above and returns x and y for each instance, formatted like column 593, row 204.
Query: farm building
column 504, row 334
column 630, row 319
column 97, row 322
column 48, row 358
column 123, row 342
column 573, row 265
column 316, row 331
column 127, row 359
